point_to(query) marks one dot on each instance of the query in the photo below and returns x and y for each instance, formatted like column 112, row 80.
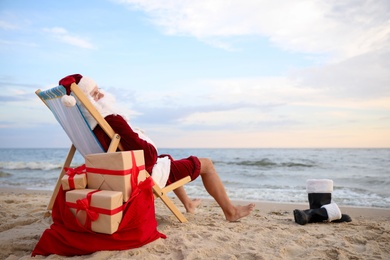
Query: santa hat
column 86, row 84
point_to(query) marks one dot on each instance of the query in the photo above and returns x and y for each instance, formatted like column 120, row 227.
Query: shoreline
column 268, row 233
column 266, row 206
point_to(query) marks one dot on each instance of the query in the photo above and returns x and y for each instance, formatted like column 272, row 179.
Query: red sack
column 67, row 237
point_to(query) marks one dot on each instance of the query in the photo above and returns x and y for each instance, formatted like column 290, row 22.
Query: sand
column 268, row 233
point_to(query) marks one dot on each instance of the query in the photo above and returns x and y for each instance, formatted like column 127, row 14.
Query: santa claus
column 132, row 139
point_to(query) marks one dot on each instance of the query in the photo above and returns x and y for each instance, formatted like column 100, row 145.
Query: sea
column 361, row 176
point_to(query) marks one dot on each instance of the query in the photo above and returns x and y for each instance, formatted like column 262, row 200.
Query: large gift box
column 75, row 178
column 97, row 210
column 114, row 171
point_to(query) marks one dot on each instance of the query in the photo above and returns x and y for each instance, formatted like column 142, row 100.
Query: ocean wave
column 4, row 174
column 267, row 163
column 30, row 166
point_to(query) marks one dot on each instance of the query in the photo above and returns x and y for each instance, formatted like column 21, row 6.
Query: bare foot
column 192, row 205
column 240, row 212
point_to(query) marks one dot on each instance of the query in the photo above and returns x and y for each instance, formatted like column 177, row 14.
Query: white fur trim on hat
column 86, row 84
column 319, row 186
column 333, row 211
column 68, row 101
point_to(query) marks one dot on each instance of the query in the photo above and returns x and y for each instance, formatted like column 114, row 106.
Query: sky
column 205, row 74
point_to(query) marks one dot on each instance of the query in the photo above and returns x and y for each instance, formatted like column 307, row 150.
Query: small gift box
column 116, row 171
column 97, row 210
column 74, row 178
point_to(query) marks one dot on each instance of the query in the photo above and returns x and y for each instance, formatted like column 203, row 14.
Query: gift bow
column 73, row 171
column 83, row 204
column 143, row 185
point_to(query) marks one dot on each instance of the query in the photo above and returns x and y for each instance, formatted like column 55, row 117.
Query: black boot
column 320, row 193
column 328, row 212
column 302, row 217
column 344, row 218
column 320, row 196
column 317, row 200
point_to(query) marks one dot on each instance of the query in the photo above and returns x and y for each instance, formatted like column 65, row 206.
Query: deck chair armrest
column 176, row 184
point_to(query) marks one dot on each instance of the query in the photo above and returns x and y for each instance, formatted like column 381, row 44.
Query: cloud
column 351, row 37
column 63, row 35
column 6, row 99
column 364, row 77
column 342, row 29
column 8, row 26
column 15, row 43
column 221, row 104
column 13, row 90
column 328, row 98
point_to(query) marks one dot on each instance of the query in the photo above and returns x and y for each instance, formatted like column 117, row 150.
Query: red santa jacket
column 130, row 140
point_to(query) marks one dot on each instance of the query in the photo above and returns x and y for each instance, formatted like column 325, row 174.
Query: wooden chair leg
column 172, row 207
column 162, row 194
column 67, row 163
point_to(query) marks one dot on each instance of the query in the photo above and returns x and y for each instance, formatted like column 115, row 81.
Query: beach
column 268, row 233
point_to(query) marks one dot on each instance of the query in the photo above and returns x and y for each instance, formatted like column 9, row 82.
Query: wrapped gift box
column 74, row 178
column 113, row 171
column 78, row 181
column 97, row 210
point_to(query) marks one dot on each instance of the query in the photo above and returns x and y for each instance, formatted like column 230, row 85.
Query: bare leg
column 189, row 204
column 215, row 188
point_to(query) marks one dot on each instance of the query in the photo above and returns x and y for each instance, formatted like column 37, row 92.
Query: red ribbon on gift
column 92, row 212
column 134, row 171
column 84, row 204
column 116, row 172
column 134, row 176
column 71, row 172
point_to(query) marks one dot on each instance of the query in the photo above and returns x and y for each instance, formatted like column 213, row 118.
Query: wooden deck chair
column 85, row 142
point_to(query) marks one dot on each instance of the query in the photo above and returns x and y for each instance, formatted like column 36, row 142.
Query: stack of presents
column 97, row 191
column 105, row 204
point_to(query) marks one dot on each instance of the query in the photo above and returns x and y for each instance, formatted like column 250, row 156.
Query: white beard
column 105, row 106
